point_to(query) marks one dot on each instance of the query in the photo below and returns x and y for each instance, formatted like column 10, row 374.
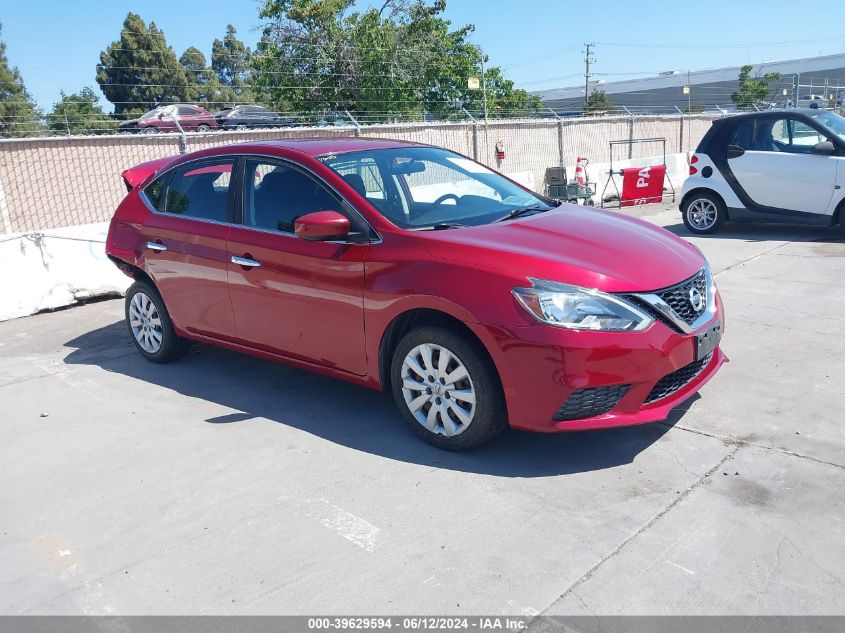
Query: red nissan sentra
column 407, row 267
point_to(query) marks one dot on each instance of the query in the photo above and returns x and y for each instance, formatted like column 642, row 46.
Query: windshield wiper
column 441, row 226
column 515, row 213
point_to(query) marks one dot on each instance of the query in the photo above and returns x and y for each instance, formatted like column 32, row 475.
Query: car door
column 776, row 168
column 184, row 243
column 291, row 296
column 189, row 118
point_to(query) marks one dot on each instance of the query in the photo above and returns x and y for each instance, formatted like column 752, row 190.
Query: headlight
column 580, row 308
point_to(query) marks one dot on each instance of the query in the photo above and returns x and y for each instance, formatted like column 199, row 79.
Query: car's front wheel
column 150, row 326
column 704, row 213
column 447, row 389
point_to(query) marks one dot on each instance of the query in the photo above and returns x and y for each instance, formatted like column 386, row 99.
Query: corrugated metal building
column 708, row 88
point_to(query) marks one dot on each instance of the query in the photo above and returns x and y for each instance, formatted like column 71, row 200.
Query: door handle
column 156, row 246
column 244, row 261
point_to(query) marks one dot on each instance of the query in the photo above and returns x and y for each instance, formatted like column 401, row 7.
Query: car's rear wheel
column 704, row 213
column 203, row 128
column 447, row 389
column 150, row 326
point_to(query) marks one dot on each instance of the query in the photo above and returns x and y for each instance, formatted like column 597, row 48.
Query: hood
column 576, row 245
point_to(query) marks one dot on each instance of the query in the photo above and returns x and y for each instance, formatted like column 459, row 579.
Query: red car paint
column 338, row 300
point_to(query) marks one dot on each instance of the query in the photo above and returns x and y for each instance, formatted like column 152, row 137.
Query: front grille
column 678, row 297
column 588, row 403
column 677, row 380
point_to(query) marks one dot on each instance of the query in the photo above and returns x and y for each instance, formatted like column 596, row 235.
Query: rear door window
column 201, row 191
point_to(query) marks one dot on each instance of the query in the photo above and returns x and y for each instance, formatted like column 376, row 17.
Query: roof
column 338, row 145
column 821, row 66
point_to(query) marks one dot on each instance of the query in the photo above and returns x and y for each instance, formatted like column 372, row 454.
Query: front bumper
column 541, row 367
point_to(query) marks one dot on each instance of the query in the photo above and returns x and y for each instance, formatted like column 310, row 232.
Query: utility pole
column 588, row 59
column 689, row 94
column 483, row 85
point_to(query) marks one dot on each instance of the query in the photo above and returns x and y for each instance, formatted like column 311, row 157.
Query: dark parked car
column 192, row 118
column 245, row 117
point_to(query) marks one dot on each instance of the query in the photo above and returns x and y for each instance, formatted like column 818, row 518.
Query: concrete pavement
column 225, row 484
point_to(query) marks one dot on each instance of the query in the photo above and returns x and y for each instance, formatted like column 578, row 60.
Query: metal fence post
column 681, row 132
column 474, row 129
column 559, row 136
column 357, row 125
column 630, row 133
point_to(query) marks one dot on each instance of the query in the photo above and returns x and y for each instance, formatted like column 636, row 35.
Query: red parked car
column 192, row 118
column 406, row 267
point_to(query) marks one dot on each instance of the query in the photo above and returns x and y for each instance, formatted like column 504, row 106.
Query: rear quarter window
column 153, row 192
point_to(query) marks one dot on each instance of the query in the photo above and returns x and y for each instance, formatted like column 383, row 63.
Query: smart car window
column 275, row 195
column 201, row 191
column 743, row 135
column 804, row 137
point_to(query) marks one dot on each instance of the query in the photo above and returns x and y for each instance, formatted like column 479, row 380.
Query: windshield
column 831, row 121
column 427, row 187
column 153, row 113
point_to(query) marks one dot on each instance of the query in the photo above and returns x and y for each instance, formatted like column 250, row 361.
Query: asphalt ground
column 224, row 484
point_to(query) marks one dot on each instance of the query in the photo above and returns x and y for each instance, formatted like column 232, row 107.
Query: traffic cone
column 579, row 172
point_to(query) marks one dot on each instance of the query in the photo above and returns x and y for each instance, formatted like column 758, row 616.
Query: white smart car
column 776, row 166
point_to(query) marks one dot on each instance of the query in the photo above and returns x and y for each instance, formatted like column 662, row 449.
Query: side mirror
column 321, row 226
column 826, row 148
column 161, row 115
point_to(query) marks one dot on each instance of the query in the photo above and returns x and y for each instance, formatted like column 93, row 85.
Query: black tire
column 489, row 417
column 692, row 208
column 172, row 346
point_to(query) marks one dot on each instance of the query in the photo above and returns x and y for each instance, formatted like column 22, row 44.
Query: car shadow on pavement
column 352, row 416
column 750, row 232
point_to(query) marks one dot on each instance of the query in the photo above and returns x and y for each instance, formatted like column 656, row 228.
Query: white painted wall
column 55, row 268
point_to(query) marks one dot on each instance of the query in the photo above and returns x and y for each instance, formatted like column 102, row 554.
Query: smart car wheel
column 150, row 326
column 704, row 213
column 447, row 389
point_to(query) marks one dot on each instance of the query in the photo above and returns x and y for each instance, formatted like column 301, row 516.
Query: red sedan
column 410, row 268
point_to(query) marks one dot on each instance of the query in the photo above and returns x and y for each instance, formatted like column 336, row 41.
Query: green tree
column 140, row 71
column 18, row 114
column 230, row 59
column 80, row 113
column 201, row 82
column 752, row 90
column 398, row 60
column 598, row 101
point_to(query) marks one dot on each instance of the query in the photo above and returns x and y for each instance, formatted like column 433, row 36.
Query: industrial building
column 709, row 89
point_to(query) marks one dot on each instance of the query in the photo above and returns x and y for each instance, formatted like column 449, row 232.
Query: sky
column 56, row 43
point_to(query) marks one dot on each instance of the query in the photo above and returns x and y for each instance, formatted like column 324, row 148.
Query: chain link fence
column 67, row 181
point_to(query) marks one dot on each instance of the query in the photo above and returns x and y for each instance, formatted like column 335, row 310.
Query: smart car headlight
column 578, row 308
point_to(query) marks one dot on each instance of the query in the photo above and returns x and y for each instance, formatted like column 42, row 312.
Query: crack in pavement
column 586, row 576
column 739, row 442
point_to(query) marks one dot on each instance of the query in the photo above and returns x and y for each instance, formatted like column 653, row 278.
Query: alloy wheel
column 145, row 322
column 438, row 389
column 702, row 214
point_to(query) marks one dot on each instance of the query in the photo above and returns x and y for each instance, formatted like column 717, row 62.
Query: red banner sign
column 642, row 185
